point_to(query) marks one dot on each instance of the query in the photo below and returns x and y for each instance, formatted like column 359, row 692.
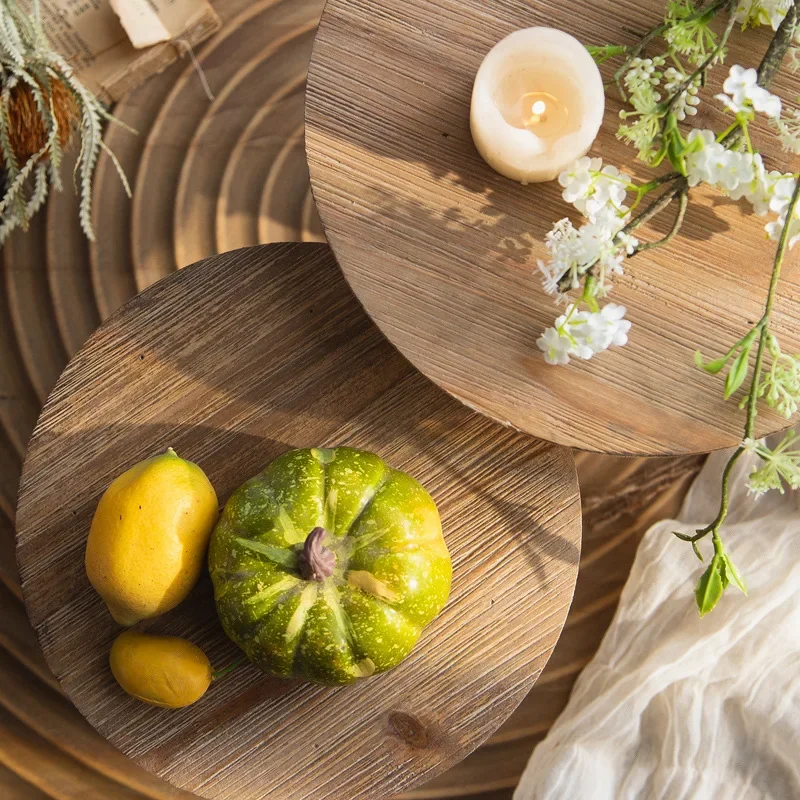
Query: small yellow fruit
column 164, row 671
column 149, row 536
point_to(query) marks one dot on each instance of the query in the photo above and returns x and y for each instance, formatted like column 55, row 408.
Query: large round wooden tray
column 231, row 362
column 442, row 251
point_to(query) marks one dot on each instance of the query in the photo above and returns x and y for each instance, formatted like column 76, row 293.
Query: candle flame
column 542, row 113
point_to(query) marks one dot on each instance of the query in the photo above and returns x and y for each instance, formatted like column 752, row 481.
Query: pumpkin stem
column 316, row 562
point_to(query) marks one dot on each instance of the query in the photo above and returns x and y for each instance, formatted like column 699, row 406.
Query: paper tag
column 141, row 22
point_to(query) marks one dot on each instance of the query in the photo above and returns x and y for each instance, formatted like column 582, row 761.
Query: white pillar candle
column 537, row 104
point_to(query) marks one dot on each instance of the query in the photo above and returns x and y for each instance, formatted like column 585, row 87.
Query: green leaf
column 286, row 558
column 733, row 574
column 748, row 340
column 686, row 538
column 723, row 574
column 697, row 551
column 601, row 53
column 713, row 367
column 737, row 372
column 709, row 588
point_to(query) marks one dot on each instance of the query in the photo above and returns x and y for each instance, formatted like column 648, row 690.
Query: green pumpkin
column 328, row 565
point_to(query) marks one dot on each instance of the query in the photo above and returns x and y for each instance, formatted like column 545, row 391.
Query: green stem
column 746, row 134
column 683, row 204
column 728, row 131
column 225, row 671
column 657, row 205
column 752, row 398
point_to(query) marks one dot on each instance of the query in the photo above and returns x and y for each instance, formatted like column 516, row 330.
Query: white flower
column 712, row 163
column 789, row 131
column 698, row 162
column 715, row 165
column 740, row 82
column 762, row 189
column 643, row 74
column 566, row 253
column 775, row 230
column 742, row 93
column 642, row 69
column 583, row 333
column 599, row 330
column 732, row 105
column 556, row 346
column 765, row 102
column 735, row 169
column 759, row 187
column 779, row 203
column 594, row 190
column 605, row 247
column 782, row 192
column 687, row 102
column 762, row 12
column 598, row 192
column 627, row 242
column 577, row 179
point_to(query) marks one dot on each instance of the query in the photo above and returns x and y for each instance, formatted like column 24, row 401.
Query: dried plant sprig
column 30, row 68
column 582, row 259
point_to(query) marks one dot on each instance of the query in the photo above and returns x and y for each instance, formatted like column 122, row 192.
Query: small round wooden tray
column 231, row 362
column 442, row 251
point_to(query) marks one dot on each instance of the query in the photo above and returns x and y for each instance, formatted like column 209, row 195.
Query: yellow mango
column 149, row 535
column 164, row 671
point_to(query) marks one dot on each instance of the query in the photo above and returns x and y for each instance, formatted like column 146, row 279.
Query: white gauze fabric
column 673, row 706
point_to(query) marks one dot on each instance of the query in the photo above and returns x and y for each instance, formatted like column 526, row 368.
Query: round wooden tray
column 233, row 361
column 442, row 251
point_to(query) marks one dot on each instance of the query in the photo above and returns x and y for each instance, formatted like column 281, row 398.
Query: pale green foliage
column 641, row 132
column 780, row 387
column 788, row 129
column 780, row 466
column 27, row 58
column 602, row 53
column 688, row 33
column 642, row 124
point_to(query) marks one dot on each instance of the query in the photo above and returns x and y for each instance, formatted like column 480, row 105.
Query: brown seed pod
column 27, row 129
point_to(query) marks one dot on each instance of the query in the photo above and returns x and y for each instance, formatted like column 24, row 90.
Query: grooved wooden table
column 442, row 251
column 231, row 362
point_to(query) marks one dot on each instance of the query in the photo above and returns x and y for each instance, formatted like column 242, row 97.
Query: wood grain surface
column 74, row 284
column 442, row 251
column 232, row 362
